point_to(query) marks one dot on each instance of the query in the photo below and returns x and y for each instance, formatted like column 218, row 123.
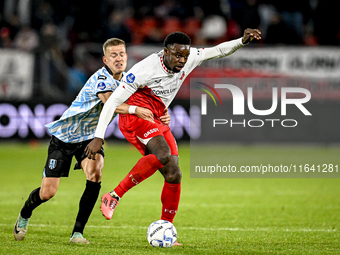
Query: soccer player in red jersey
column 153, row 83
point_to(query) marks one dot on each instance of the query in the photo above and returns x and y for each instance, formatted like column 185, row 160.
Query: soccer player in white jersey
column 73, row 131
column 153, row 84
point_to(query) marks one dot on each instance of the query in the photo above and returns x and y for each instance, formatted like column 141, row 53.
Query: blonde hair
column 112, row 42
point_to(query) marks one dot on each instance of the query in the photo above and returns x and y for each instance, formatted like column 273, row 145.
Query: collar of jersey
column 109, row 70
column 163, row 65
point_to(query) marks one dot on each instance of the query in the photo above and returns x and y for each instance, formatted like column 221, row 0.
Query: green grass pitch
column 215, row 216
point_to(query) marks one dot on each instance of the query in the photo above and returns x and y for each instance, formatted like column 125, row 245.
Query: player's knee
column 93, row 172
column 159, row 147
column 47, row 194
column 173, row 176
column 164, row 157
column 95, row 176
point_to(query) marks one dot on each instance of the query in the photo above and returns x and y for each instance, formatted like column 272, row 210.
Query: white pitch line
column 197, row 228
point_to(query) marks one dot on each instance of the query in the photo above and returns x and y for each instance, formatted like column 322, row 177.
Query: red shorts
column 138, row 132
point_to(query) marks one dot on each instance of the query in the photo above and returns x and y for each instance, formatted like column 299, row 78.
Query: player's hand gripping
column 165, row 118
column 93, row 147
column 251, row 34
column 144, row 114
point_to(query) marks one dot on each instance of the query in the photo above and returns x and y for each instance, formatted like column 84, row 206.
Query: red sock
column 170, row 199
column 144, row 168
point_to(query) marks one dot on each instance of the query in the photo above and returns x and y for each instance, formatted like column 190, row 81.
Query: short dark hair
column 177, row 37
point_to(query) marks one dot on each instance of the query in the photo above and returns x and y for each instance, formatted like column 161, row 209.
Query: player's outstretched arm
column 227, row 48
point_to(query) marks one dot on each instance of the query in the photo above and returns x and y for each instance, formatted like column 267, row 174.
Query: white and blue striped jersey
column 78, row 123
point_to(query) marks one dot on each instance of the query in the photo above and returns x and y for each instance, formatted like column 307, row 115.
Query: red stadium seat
column 143, row 28
column 191, row 27
column 171, row 25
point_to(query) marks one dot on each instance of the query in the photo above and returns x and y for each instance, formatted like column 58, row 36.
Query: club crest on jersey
column 130, row 78
column 101, row 86
column 53, row 164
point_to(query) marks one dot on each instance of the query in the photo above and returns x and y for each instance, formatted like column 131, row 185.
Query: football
column 162, row 233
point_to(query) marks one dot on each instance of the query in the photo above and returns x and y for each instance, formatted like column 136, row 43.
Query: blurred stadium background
column 50, row 48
